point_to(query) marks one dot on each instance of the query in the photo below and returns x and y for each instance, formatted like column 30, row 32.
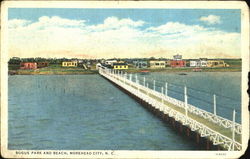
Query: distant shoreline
column 77, row 71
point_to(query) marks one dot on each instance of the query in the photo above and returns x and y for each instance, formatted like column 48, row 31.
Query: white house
column 198, row 63
column 110, row 62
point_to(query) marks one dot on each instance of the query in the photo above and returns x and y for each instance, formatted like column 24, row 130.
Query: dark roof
column 120, row 64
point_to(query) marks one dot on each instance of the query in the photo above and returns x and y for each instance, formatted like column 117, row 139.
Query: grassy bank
column 59, row 70
column 53, row 71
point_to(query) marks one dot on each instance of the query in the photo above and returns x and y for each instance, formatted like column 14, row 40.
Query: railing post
column 124, row 77
column 186, row 102
column 147, row 89
column 214, row 104
column 166, row 89
column 162, row 93
column 154, row 85
column 130, row 78
column 144, row 80
column 233, row 131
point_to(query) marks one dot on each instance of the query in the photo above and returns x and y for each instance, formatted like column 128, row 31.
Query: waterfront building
column 140, row 64
column 42, row 64
column 157, row 64
column 177, row 57
column 69, row 64
column 120, row 66
column 195, row 63
column 168, row 63
column 98, row 66
column 202, row 62
column 177, row 61
column 110, row 62
column 216, row 63
column 28, row 65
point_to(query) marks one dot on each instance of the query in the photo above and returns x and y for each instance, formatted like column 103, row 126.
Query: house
column 177, row 61
column 157, row 64
column 216, row 63
column 140, row 64
column 120, row 66
column 69, row 64
column 98, row 66
column 195, row 63
column 42, row 64
column 110, row 62
column 28, row 65
column 168, row 63
column 202, row 62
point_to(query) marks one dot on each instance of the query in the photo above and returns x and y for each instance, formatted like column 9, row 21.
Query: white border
column 128, row 4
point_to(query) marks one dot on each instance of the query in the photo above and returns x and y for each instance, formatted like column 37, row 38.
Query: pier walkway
column 218, row 130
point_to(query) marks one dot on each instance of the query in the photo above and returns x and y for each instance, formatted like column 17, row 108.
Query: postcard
column 124, row 79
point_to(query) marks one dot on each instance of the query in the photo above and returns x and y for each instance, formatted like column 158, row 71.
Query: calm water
column 200, row 89
column 81, row 112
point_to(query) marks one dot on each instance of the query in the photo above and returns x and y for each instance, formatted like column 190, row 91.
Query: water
column 83, row 112
column 200, row 89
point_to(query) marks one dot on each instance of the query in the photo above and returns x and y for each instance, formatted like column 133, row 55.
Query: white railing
column 216, row 137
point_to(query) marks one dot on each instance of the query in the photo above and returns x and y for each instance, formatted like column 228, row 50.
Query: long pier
column 219, row 131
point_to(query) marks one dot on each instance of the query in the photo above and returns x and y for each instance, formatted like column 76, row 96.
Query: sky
column 124, row 33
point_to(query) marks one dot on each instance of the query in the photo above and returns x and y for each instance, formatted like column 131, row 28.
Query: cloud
column 14, row 23
column 115, row 23
column 211, row 19
column 60, row 37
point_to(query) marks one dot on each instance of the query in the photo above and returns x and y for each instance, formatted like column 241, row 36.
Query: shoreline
column 88, row 72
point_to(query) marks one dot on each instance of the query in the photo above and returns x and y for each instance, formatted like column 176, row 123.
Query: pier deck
column 218, row 130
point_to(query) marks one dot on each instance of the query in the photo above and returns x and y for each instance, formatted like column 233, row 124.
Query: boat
column 182, row 74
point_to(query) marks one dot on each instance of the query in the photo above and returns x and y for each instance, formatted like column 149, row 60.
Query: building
column 177, row 57
column 42, row 64
column 157, row 64
column 195, row 63
column 202, row 62
column 98, row 66
column 110, row 62
column 120, row 66
column 140, row 64
column 28, row 65
column 168, row 63
column 69, row 64
column 177, row 61
column 216, row 63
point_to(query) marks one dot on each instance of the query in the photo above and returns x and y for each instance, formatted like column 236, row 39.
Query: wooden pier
column 209, row 128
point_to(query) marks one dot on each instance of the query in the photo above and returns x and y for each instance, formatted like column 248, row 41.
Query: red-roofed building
column 28, row 65
column 177, row 61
